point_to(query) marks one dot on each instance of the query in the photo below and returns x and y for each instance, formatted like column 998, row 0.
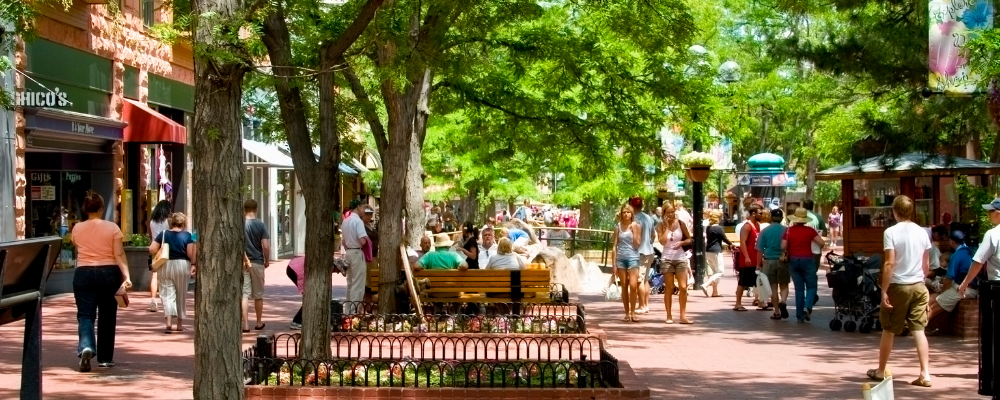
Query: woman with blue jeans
column 626, row 255
column 100, row 272
column 802, row 266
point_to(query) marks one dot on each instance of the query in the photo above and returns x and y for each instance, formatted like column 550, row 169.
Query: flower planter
column 138, row 267
column 60, row 281
column 699, row 174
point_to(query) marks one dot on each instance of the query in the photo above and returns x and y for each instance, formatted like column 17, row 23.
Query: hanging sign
column 952, row 24
column 767, row 179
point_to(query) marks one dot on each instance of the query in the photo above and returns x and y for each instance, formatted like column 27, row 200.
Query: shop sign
column 47, row 123
column 53, row 98
column 767, row 179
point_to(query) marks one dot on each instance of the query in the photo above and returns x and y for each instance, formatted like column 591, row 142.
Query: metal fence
column 430, row 373
column 546, row 318
column 447, row 347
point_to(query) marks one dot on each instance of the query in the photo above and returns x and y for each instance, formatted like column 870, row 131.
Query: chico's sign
column 54, row 98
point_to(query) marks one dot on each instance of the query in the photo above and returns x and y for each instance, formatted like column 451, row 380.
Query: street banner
column 952, row 24
column 767, row 179
column 722, row 152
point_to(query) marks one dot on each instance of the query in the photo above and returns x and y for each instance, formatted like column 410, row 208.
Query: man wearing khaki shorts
column 904, row 295
column 257, row 248
column 646, row 254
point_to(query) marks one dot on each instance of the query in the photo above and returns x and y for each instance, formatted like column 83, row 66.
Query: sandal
column 634, row 318
column 259, row 327
column 921, row 382
column 686, row 321
column 668, row 321
column 775, row 316
column 873, row 375
column 246, row 331
column 739, row 308
column 627, row 318
column 765, row 308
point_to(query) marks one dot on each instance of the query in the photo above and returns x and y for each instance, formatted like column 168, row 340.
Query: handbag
column 614, row 291
column 685, row 236
column 121, row 296
column 163, row 255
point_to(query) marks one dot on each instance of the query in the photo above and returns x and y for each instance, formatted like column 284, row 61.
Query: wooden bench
column 476, row 285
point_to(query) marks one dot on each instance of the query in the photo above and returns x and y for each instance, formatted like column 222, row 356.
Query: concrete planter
column 60, row 281
column 138, row 267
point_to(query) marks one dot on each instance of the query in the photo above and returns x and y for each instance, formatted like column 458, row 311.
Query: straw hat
column 800, row 216
column 442, row 240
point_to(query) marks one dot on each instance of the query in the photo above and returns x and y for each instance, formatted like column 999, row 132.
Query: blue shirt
column 769, row 241
column 178, row 242
column 513, row 234
column 959, row 264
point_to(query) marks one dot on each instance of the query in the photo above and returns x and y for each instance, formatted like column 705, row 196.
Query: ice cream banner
column 952, row 24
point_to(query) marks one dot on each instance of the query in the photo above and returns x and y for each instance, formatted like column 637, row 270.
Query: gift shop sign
column 53, row 98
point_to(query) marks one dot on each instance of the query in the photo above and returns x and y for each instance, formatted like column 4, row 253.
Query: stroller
column 655, row 278
column 856, row 292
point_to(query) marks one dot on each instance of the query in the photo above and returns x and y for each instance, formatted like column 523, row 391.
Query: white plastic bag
column 614, row 290
column 763, row 287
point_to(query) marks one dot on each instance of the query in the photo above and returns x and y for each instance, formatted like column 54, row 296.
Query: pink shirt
column 298, row 264
column 95, row 240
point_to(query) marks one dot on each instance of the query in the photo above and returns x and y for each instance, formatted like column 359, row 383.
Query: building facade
column 100, row 105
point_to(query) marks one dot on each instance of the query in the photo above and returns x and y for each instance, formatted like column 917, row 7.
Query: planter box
column 60, row 281
column 138, row 267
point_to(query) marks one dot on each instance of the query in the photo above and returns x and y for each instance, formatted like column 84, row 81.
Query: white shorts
column 645, row 260
column 948, row 299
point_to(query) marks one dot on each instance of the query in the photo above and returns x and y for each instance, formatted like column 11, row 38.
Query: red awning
column 148, row 126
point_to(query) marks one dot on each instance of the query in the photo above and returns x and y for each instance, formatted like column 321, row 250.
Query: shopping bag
column 763, row 287
column 162, row 256
column 614, row 290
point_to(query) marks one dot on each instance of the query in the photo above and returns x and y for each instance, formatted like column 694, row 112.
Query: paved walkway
column 724, row 355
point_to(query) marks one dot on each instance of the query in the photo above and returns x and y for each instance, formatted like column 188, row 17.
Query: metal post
column 31, row 361
column 697, row 210
column 987, row 340
column 8, row 145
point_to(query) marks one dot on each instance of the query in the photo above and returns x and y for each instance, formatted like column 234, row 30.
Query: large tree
column 318, row 37
column 221, row 62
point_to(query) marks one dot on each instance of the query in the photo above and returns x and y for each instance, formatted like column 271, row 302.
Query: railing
column 450, row 347
column 429, row 373
column 495, row 308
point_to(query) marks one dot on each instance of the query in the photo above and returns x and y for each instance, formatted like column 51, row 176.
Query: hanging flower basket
column 698, row 174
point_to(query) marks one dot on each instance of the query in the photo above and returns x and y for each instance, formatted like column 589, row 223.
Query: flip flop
column 260, row 327
column 687, row 322
column 873, row 375
column 921, row 382
column 775, row 316
column 246, row 331
column 740, row 308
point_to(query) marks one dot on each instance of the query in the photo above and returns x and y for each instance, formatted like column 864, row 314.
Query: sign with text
column 767, row 179
column 952, row 24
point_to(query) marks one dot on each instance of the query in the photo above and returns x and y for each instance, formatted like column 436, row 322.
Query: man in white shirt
column 646, row 254
column 988, row 253
column 487, row 246
column 904, row 295
column 353, row 238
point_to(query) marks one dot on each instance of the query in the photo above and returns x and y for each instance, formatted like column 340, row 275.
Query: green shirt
column 441, row 259
column 769, row 241
column 815, row 222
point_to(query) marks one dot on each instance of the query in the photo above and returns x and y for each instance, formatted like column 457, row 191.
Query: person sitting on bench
column 505, row 257
column 441, row 257
column 958, row 268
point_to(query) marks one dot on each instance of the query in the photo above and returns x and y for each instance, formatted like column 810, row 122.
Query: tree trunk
column 218, row 200
column 470, row 207
column 416, row 218
column 393, row 201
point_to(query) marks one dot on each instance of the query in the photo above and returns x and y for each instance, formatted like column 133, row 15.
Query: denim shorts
column 627, row 263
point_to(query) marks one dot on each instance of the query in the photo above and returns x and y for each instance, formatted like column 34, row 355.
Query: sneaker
column 807, row 314
column 85, row 357
column 295, row 327
column 152, row 306
column 108, row 364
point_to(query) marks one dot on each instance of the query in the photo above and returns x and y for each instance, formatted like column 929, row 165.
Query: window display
column 873, row 202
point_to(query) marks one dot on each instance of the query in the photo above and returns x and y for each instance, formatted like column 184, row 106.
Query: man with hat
column 353, row 238
column 769, row 250
column 988, row 253
column 441, row 257
column 958, row 268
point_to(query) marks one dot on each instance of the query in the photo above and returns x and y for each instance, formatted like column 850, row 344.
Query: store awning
column 909, row 165
column 276, row 156
column 148, row 126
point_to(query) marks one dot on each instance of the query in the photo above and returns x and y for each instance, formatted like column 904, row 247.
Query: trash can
column 988, row 291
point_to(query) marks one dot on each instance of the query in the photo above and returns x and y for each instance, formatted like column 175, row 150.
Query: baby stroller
column 656, row 283
column 856, row 292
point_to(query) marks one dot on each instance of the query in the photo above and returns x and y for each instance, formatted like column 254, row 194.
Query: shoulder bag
column 685, row 236
column 163, row 255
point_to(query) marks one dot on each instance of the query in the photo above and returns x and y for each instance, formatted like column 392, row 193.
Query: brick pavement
column 724, row 355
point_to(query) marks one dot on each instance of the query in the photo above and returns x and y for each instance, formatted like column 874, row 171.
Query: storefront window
column 924, row 201
column 55, row 206
column 286, row 196
column 873, row 202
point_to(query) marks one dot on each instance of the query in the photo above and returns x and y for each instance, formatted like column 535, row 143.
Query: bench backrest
column 24, row 267
column 515, row 283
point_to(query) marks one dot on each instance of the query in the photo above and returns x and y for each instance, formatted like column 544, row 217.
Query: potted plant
column 137, row 255
column 698, row 165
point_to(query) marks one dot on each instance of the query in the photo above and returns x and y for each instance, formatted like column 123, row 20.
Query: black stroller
column 857, row 295
column 655, row 278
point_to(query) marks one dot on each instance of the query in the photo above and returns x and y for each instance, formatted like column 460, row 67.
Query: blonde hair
column 630, row 210
column 714, row 216
column 903, row 207
column 765, row 215
column 177, row 219
column 504, row 246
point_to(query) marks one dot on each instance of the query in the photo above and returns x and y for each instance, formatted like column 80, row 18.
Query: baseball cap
column 369, row 210
column 355, row 203
column 635, row 202
column 995, row 205
column 958, row 236
column 777, row 214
